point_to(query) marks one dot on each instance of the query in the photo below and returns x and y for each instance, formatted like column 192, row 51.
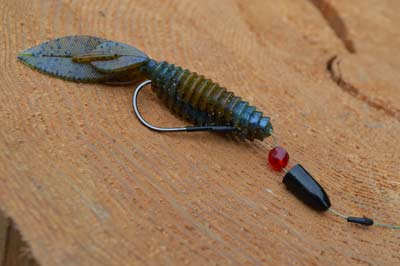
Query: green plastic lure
column 192, row 96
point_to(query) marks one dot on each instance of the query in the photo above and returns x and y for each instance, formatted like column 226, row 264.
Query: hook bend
column 171, row 129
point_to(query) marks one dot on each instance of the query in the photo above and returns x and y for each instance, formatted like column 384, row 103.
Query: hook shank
column 171, row 129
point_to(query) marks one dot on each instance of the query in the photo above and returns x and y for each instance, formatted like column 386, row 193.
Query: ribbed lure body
column 204, row 102
column 195, row 98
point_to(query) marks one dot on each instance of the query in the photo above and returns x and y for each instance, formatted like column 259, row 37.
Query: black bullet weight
column 306, row 188
column 360, row 220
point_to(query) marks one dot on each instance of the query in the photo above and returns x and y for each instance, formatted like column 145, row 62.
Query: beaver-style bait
column 189, row 95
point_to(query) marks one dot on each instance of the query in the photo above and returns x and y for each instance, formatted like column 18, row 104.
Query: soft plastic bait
column 201, row 101
column 189, row 95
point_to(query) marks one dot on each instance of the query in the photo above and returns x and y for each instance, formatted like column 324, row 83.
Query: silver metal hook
column 171, row 129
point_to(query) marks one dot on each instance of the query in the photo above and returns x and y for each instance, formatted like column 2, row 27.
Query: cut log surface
column 87, row 184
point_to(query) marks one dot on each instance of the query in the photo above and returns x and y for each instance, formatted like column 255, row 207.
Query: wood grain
column 86, row 184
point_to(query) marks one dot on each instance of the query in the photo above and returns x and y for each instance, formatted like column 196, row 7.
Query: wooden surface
column 86, row 184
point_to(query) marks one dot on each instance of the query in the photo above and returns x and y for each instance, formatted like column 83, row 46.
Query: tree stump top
column 87, row 184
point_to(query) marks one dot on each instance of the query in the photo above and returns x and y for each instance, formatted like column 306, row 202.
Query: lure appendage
column 204, row 102
column 88, row 59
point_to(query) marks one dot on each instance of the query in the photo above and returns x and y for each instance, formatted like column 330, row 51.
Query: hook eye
column 171, row 129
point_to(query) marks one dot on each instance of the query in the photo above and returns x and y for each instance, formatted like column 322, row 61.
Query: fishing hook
column 172, row 129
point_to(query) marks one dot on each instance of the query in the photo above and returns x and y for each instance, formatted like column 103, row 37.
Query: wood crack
column 335, row 22
column 15, row 251
column 333, row 66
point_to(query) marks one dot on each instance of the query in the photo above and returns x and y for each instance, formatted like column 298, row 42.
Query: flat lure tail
column 85, row 59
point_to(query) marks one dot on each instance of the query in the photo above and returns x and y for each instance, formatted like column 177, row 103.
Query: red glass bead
column 278, row 158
